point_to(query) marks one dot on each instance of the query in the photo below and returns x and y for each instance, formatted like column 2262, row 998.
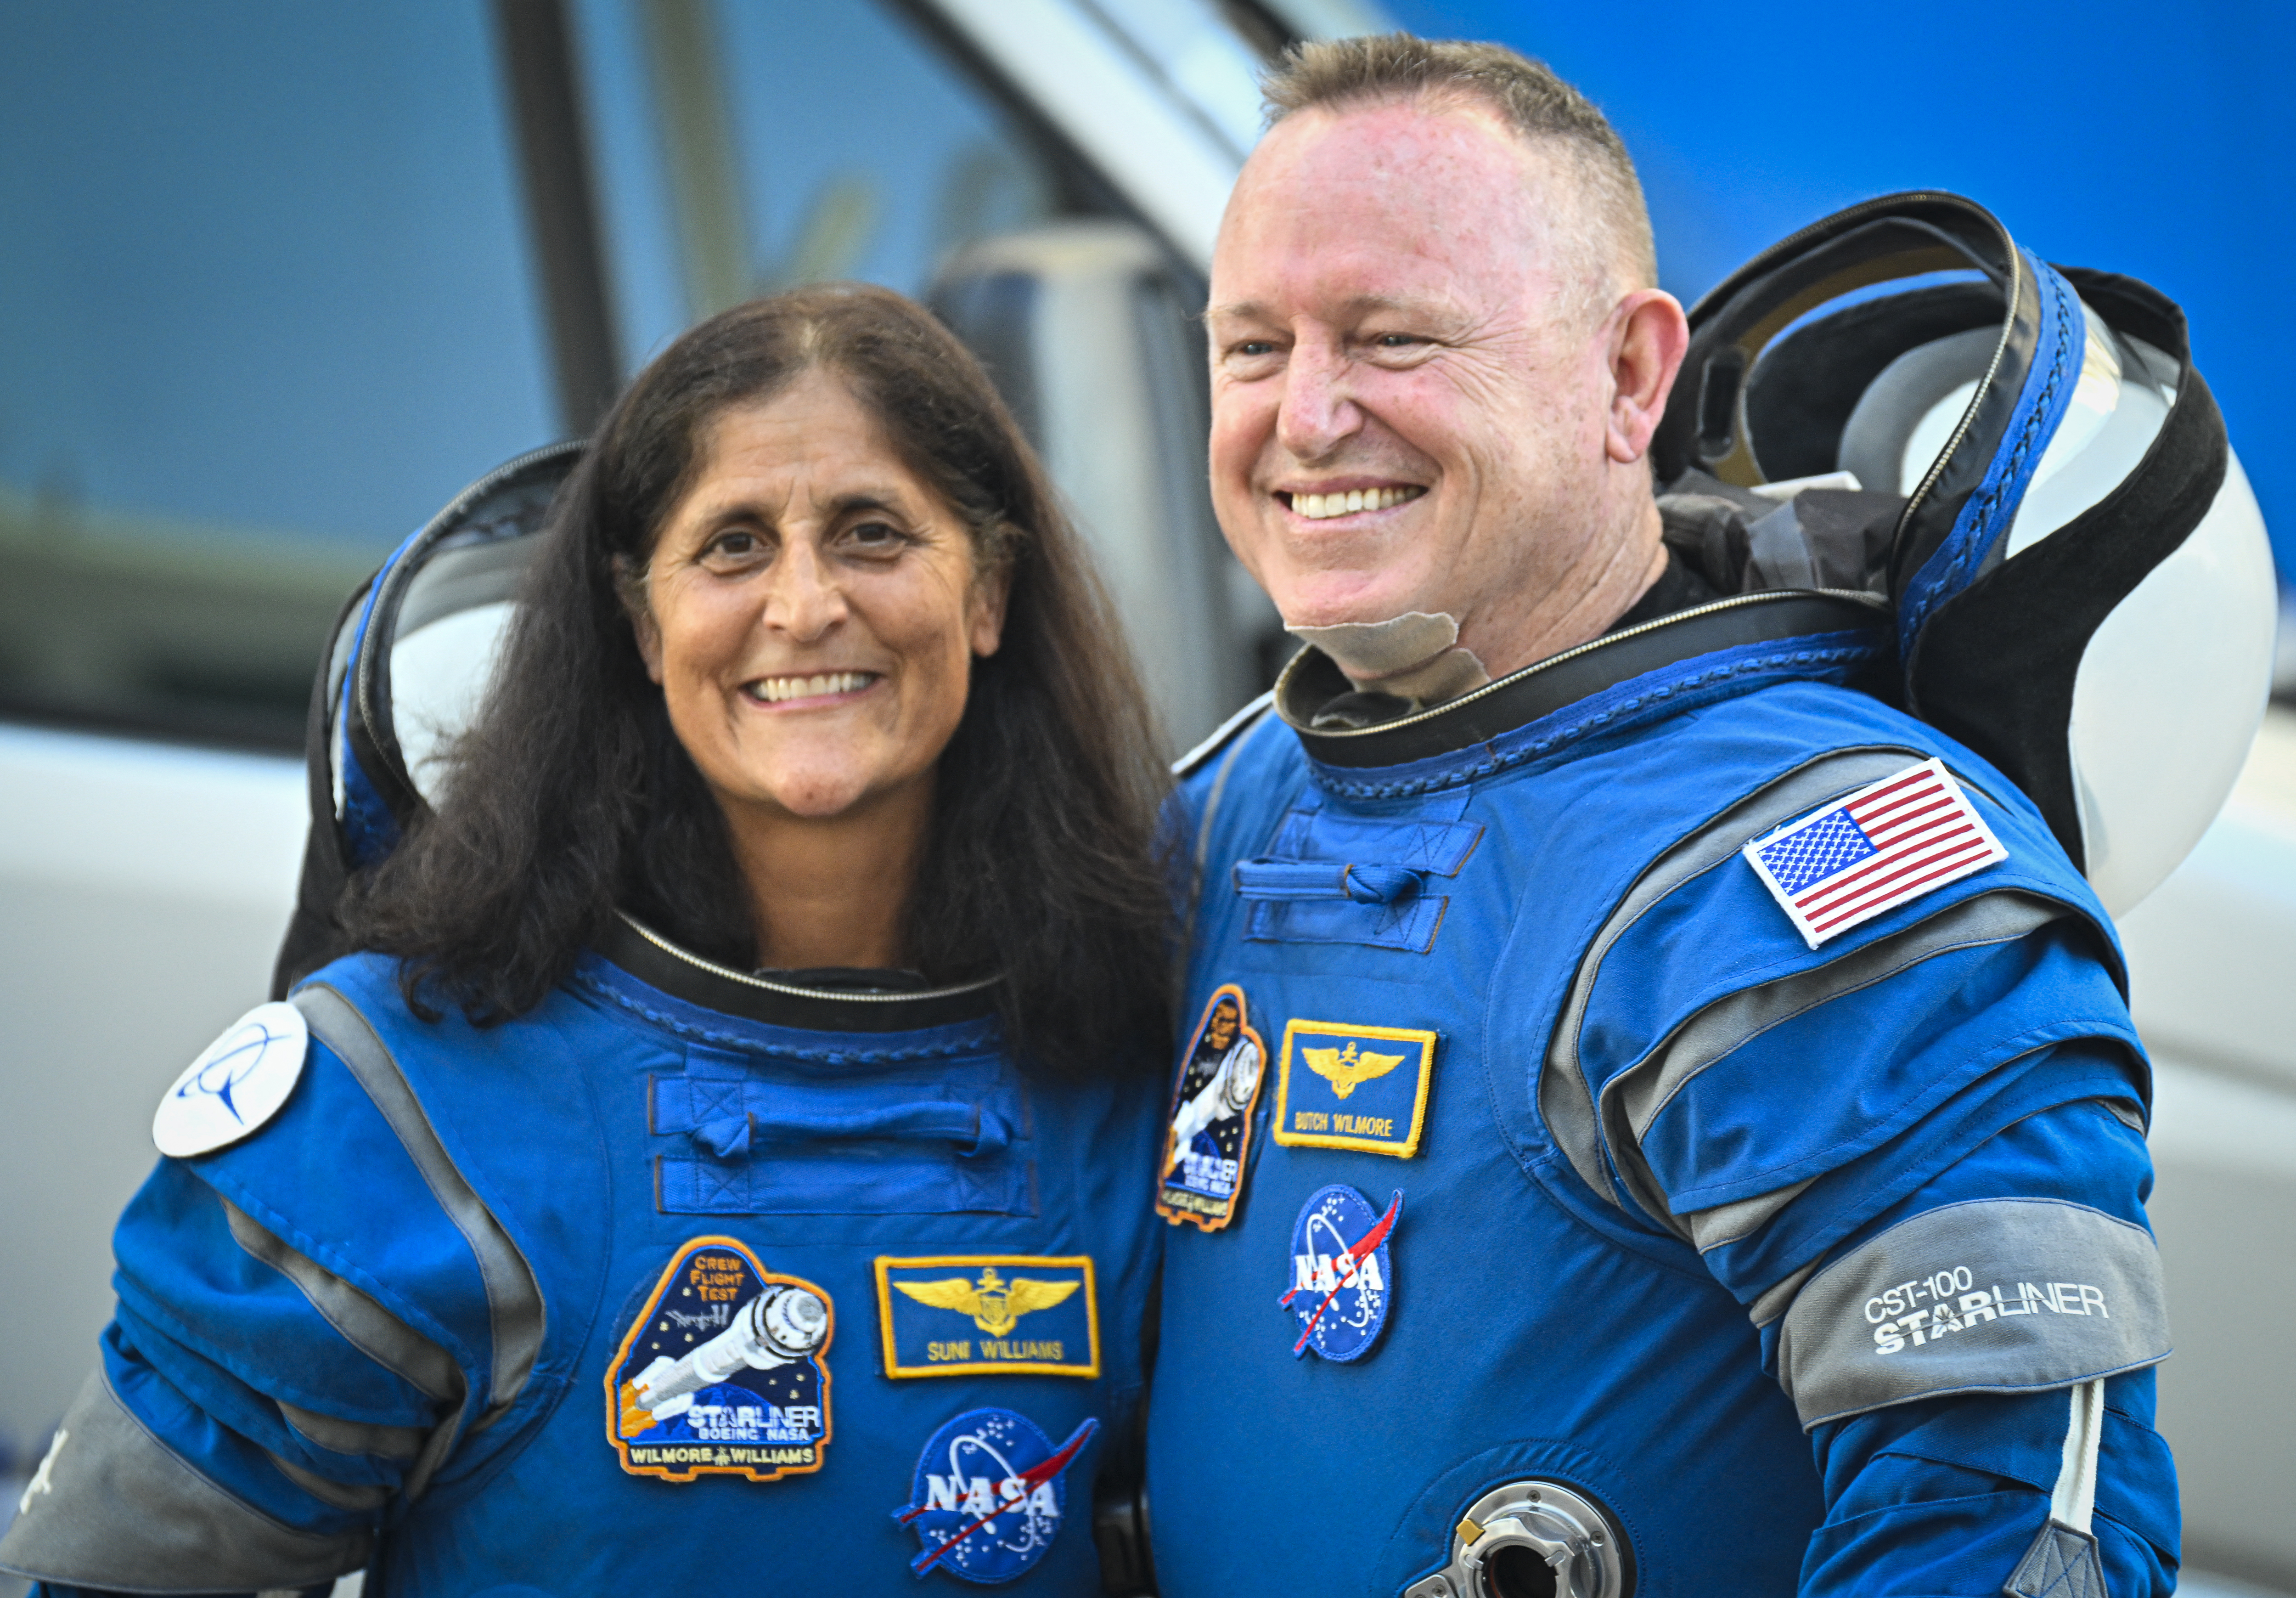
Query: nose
column 803, row 599
column 1317, row 412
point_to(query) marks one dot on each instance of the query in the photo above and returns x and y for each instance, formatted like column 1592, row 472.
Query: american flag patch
column 1866, row 855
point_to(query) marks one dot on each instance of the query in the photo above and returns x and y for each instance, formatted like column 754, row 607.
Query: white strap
column 2074, row 1502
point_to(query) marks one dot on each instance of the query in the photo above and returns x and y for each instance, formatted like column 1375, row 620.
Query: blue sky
column 2152, row 140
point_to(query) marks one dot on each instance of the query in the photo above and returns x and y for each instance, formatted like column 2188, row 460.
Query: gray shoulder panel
column 1990, row 1295
column 1222, row 735
column 513, row 1297
column 365, row 1324
column 1778, row 1298
column 1710, row 1229
column 113, row 1508
column 339, row 1435
column 1564, row 1103
column 1632, row 1100
column 359, row 1499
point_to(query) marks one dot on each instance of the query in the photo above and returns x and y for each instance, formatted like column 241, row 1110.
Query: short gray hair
column 1340, row 74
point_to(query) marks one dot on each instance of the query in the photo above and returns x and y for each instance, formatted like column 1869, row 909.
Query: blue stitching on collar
column 980, row 1037
column 1654, row 696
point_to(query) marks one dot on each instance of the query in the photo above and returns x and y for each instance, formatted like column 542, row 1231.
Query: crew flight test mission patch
column 723, row 1372
column 1208, row 1141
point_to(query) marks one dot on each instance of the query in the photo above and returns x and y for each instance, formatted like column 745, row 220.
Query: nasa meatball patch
column 724, row 1372
column 237, row 1084
column 1208, row 1139
column 1342, row 1281
column 990, row 1495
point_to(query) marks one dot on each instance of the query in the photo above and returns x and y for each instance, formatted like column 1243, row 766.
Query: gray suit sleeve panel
column 1988, row 1295
column 113, row 1508
column 514, row 1304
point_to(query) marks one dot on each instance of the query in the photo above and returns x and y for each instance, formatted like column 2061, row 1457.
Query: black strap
column 315, row 935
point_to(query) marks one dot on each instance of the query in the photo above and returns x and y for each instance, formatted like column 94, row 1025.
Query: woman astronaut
column 717, row 1170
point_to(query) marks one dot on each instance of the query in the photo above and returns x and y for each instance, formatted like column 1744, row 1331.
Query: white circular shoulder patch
column 236, row 1085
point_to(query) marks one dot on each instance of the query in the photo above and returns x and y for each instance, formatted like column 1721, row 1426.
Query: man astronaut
column 1752, row 1243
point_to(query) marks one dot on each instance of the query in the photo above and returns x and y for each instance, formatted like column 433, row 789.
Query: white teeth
column 774, row 689
column 1318, row 507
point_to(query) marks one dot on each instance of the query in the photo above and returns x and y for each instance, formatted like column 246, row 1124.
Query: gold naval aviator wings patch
column 996, row 1305
column 1056, row 1295
column 1359, row 1091
column 1344, row 1070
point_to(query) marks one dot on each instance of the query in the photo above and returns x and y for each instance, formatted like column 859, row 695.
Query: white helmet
column 2083, row 590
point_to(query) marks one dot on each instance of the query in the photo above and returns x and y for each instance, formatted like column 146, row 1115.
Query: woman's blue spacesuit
column 419, row 1295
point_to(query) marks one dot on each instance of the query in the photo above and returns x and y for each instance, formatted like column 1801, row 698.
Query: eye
column 875, row 538
column 734, row 548
column 1248, row 358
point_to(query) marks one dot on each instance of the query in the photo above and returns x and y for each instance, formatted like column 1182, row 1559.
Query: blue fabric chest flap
column 926, row 1139
column 1342, row 877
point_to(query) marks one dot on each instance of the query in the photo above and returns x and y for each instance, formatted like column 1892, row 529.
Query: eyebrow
column 1254, row 310
column 886, row 500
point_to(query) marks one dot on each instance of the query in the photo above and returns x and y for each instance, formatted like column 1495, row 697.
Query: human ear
column 1648, row 337
column 990, row 591
column 629, row 587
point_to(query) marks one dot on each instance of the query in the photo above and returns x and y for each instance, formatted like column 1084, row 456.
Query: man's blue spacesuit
column 1785, row 1256
column 684, row 1281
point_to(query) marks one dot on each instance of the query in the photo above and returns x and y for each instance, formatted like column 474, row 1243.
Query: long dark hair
column 571, row 795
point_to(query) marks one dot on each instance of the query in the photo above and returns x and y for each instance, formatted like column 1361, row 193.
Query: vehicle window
column 813, row 141
column 265, row 305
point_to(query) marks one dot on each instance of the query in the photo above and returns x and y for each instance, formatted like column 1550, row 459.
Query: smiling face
column 1414, row 387
column 811, row 610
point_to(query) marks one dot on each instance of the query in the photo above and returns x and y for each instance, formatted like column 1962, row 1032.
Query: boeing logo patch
column 1341, row 1278
column 1208, row 1146
column 1865, row 855
column 981, row 1314
column 724, row 1372
column 1343, row 1086
column 990, row 1495
column 236, row 1084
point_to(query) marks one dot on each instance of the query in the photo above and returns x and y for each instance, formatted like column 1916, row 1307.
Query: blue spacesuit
column 1599, row 1150
column 684, row 1281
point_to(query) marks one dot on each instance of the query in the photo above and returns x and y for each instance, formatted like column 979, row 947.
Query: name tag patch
column 1207, row 1144
column 989, row 1495
column 1343, row 1086
column 978, row 1314
column 724, row 1372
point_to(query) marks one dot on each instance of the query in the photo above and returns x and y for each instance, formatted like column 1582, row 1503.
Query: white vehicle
column 280, row 281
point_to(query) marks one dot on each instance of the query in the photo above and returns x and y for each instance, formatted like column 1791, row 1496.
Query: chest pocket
column 763, row 1136
column 1336, row 877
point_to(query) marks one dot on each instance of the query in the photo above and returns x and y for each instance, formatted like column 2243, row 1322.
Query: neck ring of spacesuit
column 1547, row 686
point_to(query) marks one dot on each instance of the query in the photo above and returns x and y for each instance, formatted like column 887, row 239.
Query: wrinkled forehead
column 1402, row 199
